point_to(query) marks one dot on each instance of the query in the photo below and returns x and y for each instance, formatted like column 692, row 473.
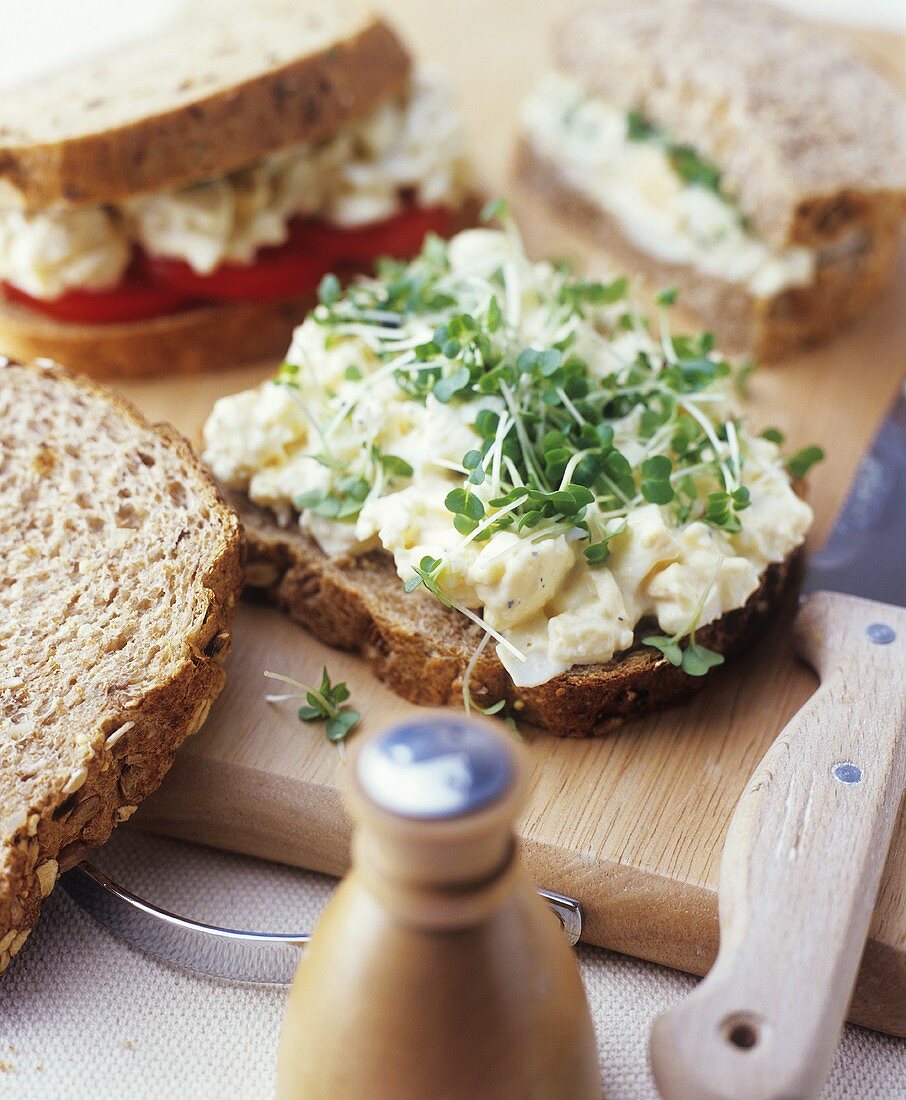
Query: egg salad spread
column 527, row 447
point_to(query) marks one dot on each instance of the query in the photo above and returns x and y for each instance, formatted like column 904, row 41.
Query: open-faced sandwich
column 497, row 479
column 174, row 205
column 119, row 574
column 728, row 148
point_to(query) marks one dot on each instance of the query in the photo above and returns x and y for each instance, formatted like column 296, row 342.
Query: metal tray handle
column 261, row 958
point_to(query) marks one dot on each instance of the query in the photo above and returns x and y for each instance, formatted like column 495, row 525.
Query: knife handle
column 800, row 872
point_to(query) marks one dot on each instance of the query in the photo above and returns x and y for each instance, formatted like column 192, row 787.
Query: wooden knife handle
column 800, row 872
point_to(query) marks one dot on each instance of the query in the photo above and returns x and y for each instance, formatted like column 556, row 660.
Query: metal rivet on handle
column 880, row 633
column 847, row 773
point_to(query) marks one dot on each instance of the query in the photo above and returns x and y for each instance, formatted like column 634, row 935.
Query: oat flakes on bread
column 765, row 160
column 120, row 578
column 174, row 205
column 495, row 478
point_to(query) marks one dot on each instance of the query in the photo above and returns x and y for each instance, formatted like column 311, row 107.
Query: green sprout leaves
column 689, row 165
column 329, row 290
column 394, row 465
column 467, row 509
column 723, row 509
column 344, row 502
column 497, row 209
column 656, row 487
column 427, row 573
column 799, row 464
column 638, row 128
column 326, row 704
column 693, row 659
column 596, row 553
column 694, row 169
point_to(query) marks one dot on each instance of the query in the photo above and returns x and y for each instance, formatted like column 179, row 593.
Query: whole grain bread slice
column 202, row 97
column 119, row 576
column 768, row 328
column 804, row 131
column 421, row 649
column 204, row 337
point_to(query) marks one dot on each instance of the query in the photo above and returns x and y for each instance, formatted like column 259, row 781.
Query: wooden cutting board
column 631, row 824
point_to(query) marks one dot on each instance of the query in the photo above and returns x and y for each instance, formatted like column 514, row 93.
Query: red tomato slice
column 132, row 300
column 276, row 273
column 155, row 285
column 400, row 236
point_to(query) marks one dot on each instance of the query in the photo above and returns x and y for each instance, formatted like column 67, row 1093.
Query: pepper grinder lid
column 435, row 768
column 435, row 798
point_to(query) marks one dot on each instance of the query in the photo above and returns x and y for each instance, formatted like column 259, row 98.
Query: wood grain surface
column 633, row 824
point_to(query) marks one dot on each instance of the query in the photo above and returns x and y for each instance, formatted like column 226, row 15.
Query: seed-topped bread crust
column 119, row 578
column 200, row 99
column 805, row 132
column 421, row 649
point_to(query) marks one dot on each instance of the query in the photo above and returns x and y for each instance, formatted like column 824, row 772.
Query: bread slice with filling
column 120, row 575
column 846, row 283
column 808, row 139
column 422, row 649
column 198, row 100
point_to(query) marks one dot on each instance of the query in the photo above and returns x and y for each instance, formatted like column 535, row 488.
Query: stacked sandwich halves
column 729, row 149
column 176, row 204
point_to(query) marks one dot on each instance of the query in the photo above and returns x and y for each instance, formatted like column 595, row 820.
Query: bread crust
column 205, row 337
column 796, row 121
column 768, row 328
column 421, row 648
column 210, row 126
column 54, row 833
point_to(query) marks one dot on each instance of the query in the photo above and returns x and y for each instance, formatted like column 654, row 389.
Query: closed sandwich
column 173, row 206
column 504, row 486
column 730, row 149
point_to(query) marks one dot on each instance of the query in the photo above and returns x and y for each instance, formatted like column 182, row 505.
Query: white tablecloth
column 85, row 1017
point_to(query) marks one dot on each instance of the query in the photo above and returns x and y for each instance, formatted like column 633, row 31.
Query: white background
column 37, row 35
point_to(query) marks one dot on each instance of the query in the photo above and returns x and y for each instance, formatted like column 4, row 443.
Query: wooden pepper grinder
column 436, row 970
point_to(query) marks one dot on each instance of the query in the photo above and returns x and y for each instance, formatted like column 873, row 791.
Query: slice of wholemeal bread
column 120, row 574
column 768, row 328
column 421, row 649
column 200, row 99
column 204, row 337
column 805, row 133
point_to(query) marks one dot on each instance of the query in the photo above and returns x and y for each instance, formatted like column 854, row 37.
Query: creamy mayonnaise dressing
column 634, row 182
column 413, row 143
column 541, row 594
